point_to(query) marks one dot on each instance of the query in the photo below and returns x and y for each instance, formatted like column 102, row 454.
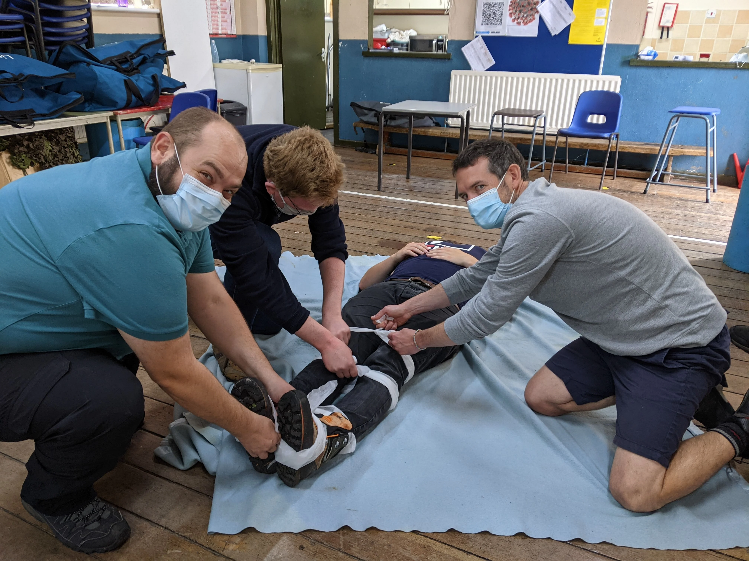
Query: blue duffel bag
column 116, row 76
column 25, row 94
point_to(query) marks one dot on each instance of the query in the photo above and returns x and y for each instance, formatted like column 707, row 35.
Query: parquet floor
column 168, row 510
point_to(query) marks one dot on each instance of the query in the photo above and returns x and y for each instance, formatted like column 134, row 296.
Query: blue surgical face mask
column 194, row 206
column 487, row 210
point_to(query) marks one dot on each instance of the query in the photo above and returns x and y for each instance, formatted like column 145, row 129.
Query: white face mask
column 194, row 206
column 289, row 209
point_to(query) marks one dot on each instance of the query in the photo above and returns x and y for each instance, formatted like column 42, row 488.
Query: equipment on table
column 181, row 102
column 426, row 44
column 234, row 112
column 709, row 116
column 117, row 76
column 593, row 104
column 26, row 90
column 536, row 115
column 258, row 86
column 369, row 112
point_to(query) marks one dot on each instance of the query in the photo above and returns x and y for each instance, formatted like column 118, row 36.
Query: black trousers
column 368, row 402
column 81, row 408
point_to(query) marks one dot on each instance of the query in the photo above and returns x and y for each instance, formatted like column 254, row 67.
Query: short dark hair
column 500, row 153
column 187, row 128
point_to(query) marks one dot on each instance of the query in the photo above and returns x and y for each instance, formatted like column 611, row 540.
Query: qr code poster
column 491, row 17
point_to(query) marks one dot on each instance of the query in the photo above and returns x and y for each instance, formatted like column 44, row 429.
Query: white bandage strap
column 383, row 334
column 286, row 455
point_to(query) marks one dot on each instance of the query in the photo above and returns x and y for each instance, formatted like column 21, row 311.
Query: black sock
column 736, row 430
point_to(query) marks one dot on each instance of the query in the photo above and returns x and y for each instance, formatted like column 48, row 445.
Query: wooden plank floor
column 168, row 509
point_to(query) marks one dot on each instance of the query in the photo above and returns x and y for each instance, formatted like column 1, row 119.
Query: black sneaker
column 740, row 337
column 295, row 423
column 252, row 394
column 98, row 527
column 736, row 429
column 714, row 409
column 336, row 441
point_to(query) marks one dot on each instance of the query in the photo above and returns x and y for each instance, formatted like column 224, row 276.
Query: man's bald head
column 209, row 148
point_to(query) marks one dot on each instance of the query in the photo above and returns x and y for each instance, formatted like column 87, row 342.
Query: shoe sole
column 118, row 544
column 295, row 421
column 254, row 397
column 292, row 477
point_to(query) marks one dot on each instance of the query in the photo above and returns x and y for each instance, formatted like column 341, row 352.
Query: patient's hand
column 390, row 317
column 453, row 255
column 412, row 249
column 338, row 328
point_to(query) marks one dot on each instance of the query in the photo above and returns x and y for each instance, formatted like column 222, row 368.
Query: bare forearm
column 315, row 334
column 379, row 272
column 433, row 337
column 199, row 392
column 427, row 301
column 332, row 273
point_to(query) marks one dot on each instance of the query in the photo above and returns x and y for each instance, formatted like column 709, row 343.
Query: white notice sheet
column 478, row 55
column 491, row 17
column 557, row 15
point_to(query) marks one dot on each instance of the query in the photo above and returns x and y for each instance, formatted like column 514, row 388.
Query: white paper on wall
column 522, row 18
column 478, row 55
column 557, row 15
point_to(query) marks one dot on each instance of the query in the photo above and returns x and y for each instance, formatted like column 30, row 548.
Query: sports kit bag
column 116, row 76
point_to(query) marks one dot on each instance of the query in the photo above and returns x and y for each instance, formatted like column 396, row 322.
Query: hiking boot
column 714, row 409
column 251, row 393
column 230, row 370
column 295, row 423
column 98, row 527
column 740, row 337
column 336, row 441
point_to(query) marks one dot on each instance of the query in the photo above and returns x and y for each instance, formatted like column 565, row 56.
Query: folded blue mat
column 462, row 450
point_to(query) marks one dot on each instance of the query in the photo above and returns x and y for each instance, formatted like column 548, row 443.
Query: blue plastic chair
column 181, row 102
column 13, row 32
column 595, row 102
column 212, row 97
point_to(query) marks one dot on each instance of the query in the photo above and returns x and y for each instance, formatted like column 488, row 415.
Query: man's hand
column 453, row 255
column 403, row 341
column 338, row 328
column 391, row 317
column 261, row 437
column 338, row 359
column 277, row 388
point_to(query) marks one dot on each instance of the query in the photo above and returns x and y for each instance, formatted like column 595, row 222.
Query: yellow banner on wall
column 591, row 18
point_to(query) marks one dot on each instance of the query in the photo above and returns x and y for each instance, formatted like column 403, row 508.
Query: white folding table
column 413, row 108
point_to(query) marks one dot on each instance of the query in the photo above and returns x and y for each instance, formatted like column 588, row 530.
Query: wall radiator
column 556, row 94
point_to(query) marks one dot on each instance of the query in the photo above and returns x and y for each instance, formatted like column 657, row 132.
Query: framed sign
column 668, row 14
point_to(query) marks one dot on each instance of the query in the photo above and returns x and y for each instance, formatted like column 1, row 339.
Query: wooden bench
column 524, row 138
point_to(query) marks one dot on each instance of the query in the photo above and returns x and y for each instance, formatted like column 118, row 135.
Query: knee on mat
column 536, row 399
column 633, row 495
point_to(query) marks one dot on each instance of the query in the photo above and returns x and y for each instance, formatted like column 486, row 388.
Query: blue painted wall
column 243, row 47
column 648, row 94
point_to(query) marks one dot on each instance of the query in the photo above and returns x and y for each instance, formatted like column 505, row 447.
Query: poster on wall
column 591, row 18
column 522, row 18
column 491, row 17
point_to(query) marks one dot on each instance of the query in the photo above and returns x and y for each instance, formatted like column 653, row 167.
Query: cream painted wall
column 627, row 19
column 462, row 20
column 353, row 20
column 126, row 21
column 251, row 17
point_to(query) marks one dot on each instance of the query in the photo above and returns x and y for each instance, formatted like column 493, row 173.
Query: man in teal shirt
column 101, row 264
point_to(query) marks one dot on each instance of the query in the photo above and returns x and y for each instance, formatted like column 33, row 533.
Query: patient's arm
column 453, row 255
column 383, row 269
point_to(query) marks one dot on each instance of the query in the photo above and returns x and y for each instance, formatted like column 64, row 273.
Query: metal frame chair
column 593, row 103
column 10, row 23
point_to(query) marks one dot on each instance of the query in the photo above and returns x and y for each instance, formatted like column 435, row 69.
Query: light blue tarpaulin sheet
column 462, row 450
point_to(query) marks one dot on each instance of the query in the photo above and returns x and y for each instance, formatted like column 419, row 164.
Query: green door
column 302, row 52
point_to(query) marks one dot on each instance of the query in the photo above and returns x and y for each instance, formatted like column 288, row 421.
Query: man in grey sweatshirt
column 653, row 336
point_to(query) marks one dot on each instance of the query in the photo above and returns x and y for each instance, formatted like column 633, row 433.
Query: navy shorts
column 656, row 394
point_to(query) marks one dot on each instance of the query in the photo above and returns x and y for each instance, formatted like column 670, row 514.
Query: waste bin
column 234, row 112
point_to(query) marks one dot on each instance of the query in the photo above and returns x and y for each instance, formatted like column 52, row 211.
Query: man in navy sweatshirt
column 290, row 172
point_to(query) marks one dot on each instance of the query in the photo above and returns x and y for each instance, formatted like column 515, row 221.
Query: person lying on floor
column 412, row 270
